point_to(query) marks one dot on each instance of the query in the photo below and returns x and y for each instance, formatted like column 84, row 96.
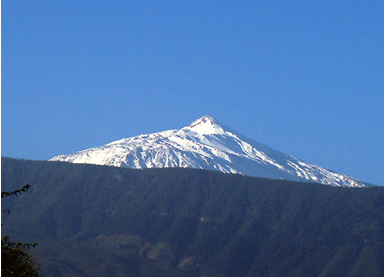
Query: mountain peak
column 206, row 125
column 207, row 144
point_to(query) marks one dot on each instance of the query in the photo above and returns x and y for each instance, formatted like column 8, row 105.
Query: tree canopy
column 15, row 258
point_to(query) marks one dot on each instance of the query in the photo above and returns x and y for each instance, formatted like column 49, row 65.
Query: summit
column 207, row 144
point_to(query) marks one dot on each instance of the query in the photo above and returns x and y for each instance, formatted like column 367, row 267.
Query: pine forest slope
column 94, row 220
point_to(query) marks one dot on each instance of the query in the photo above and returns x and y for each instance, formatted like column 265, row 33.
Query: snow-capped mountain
column 207, row 144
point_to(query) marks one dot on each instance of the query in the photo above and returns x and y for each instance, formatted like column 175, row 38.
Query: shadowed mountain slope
column 94, row 220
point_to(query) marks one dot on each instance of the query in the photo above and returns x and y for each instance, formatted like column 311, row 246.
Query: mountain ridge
column 207, row 144
column 177, row 222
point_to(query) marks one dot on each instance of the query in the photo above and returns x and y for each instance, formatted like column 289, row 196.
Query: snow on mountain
column 207, row 144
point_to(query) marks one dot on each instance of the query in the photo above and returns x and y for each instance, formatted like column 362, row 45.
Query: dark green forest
column 93, row 220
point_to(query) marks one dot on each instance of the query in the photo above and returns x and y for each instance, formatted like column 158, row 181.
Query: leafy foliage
column 103, row 221
column 15, row 259
column 15, row 192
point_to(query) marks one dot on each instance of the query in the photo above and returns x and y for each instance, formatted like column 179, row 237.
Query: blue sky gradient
column 303, row 77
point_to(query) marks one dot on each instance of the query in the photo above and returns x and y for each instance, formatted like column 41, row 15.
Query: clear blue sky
column 303, row 77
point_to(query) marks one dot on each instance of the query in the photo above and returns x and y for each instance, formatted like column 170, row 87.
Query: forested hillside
column 103, row 221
